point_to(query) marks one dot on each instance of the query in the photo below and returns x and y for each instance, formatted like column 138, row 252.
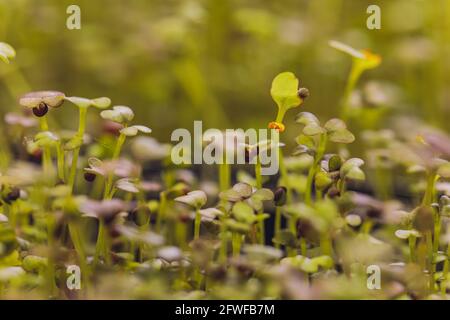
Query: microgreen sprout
column 6, row 52
column 362, row 60
column 77, row 141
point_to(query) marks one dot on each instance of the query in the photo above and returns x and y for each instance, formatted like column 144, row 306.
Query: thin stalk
column 445, row 272
column 437, row 232
column 224, row 176
column 284, row 176
column 277, row 226
column 412, row 248
column 79, row 248
column 51, row 256
column 47, row 157
column 293, row 228
column 353, row 77
column 428, row 197
column 60, row 161
column 224, row 241
column 161, row 210
column 181, row 234
column 116, row 153
column 325, row 244
column 76, row 152
column 303, row 247
column 197, row 224
column 102, row 246
column 429, row 241
column 258, row 176
column 236, row 243
column 314, row 167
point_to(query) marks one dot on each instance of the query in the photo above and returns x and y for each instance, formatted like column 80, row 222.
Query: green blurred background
column 175, row 61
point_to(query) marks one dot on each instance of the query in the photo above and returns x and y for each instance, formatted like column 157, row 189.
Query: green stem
column 116, row 153
column 412, row 248
column 161, row 210
column 47, row 157
column 284, row 176
column 445, row 272
column 353, row 77
column 224, row 241
column 428, row 197
column 60, row 161
column 429, row 241
column 258, row 176
column 79, row 248
column 51, row 256
column 326, row 245
column 224, row 176
column 437, row 232
column 292, row 251
column 277, row 226
column 197, row 224
column 303, row 247
column 76, row 152
column 236, row 242
column 312, row 171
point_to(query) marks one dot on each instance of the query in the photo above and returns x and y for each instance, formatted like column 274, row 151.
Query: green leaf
column 9, row 273
column 127, row 185
column 73, row 143
column 349, row 164
column 307, row 118
column 244, row 213
column 133, row 130
column 444, row 170
column 306, row 141
column 80, row 102
column 33, row 263
column 286, row 238
column 346, row 49
column 334, row 163
column 356, row 173
column 335, row 125
column 325, row 262
column 230, row 195
column 257, row 198
column 353, row 220
column 313, row 130
column 405, row 234
column 119, row 114
column 195, row 199
column 322, row 180
column 284, row 91
column 245, row 190
column 257, row 251
column 6, row 52
column 341, row 136
column 101, row 103
column 236, row 226
column 46, row 139
column 263, row 194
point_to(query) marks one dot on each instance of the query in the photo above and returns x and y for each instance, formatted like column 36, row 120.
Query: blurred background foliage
column 175, row 61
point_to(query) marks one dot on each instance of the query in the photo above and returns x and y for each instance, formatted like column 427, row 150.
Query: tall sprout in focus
column 76, row 142
column 286, row 93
